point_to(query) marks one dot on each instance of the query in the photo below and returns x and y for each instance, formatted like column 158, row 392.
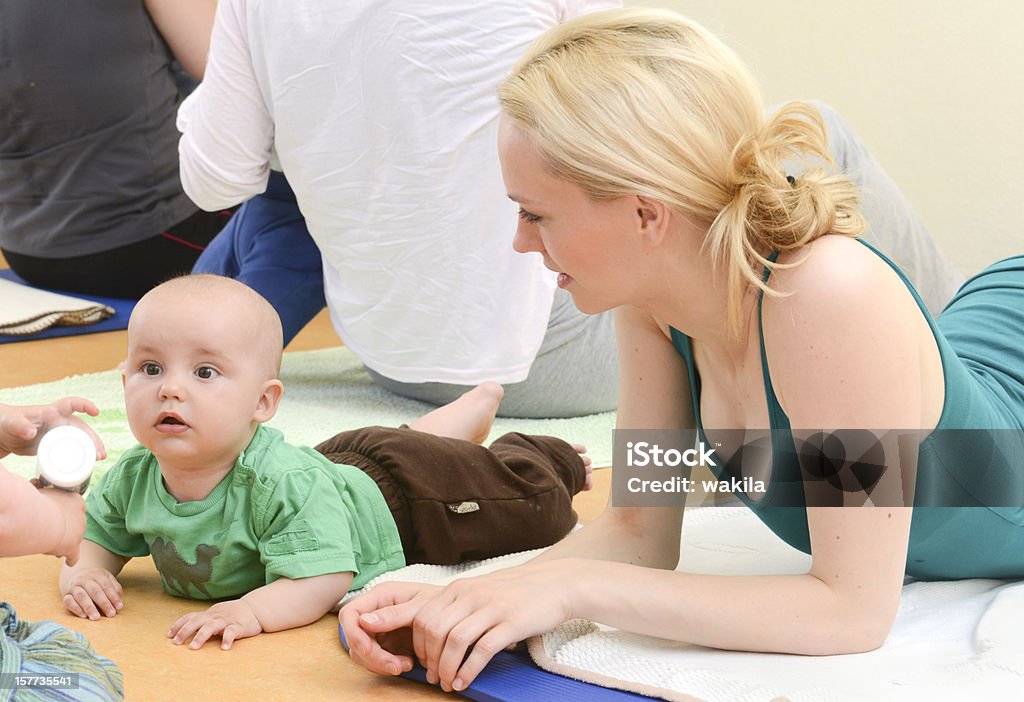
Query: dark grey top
column 88, row 144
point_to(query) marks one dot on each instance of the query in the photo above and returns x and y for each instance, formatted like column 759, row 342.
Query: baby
column 278, row 533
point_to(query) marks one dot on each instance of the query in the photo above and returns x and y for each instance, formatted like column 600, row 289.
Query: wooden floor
column 305, row 663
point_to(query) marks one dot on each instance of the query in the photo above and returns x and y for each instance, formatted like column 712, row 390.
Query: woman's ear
column 654, row 216
column 269, row 399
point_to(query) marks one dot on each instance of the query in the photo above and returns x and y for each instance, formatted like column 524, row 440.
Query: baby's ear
column 269, row 399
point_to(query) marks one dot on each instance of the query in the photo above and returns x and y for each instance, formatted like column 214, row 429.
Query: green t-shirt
column 282, row 512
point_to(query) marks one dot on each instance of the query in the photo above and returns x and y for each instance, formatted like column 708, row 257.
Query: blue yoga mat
column 122, row 311
column 512, row 676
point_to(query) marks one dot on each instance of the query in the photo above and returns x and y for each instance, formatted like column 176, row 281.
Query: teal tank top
column 968, row 517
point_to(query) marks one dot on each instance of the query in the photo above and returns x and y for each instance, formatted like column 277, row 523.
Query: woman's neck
column 689, row 292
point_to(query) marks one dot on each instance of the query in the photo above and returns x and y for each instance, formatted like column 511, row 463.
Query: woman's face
column 593, row 245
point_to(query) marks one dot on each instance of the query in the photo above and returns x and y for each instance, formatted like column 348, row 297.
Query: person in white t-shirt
column 364, row 137
column 383, row 117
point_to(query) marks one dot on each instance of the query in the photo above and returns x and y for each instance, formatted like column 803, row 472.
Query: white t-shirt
column 384, row 116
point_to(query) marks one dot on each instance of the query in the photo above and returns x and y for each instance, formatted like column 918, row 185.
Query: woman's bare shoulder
column 831, row 269
column 842, row 337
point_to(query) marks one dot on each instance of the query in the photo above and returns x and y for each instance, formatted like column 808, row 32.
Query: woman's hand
column 480, row 616
column 378, row 625
column 460, row 629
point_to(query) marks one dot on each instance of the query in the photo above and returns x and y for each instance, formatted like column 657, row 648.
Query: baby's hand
column 89, row 591
column 230, row 620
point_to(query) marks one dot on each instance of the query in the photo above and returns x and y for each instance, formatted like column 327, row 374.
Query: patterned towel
column 26, row 310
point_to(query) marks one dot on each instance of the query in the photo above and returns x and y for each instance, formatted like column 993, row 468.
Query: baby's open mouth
column 170, row 420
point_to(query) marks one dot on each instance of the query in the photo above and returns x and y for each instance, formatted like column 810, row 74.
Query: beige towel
column 25, row 310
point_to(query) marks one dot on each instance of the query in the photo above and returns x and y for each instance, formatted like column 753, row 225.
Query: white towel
column 26, row 310
column 959, row 640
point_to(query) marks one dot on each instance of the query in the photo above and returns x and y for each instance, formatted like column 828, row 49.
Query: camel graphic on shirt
column 179, row 574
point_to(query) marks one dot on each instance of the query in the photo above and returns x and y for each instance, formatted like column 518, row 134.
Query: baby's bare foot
column 470, row 417
column 480, row 408
column 588, row 483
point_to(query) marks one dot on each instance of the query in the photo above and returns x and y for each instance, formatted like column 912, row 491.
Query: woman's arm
column 654, row 393
column 849, row 349
column 185, row 25
column 227, row 130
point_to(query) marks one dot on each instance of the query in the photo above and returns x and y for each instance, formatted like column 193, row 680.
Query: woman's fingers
column 377, row 625
column 470, row 646
column 447, row 627
column 430, row 628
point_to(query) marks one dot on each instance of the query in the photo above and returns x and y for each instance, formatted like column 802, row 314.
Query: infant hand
column 230, row 620
column 90, row 591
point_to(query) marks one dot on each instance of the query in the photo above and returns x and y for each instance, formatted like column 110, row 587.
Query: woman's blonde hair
column 649, row 103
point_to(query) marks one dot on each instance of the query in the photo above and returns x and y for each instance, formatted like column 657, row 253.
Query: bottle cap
column 65, row 457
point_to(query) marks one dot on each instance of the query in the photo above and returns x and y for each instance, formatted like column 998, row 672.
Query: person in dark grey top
column 90, row 199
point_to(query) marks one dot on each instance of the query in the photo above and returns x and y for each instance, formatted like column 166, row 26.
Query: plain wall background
column 935, row 88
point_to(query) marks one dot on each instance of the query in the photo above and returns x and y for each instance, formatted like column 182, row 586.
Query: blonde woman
column 646, row 173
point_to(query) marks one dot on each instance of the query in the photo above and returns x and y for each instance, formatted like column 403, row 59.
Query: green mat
column 326, row 391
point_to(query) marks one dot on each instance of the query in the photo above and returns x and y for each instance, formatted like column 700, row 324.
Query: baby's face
column 193, row 381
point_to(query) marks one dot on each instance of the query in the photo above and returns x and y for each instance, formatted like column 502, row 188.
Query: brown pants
column 454, row 500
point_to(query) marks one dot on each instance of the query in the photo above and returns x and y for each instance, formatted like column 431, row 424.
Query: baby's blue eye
column 151, row 368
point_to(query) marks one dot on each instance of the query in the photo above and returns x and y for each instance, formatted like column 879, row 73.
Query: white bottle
column 65, row 458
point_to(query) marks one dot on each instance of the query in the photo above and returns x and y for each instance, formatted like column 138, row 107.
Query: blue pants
column 266, row 246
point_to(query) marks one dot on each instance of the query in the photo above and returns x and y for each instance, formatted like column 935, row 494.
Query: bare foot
column 588, row 483
column 470, row 417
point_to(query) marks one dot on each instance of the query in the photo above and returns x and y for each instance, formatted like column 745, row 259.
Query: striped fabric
column 47, row 649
